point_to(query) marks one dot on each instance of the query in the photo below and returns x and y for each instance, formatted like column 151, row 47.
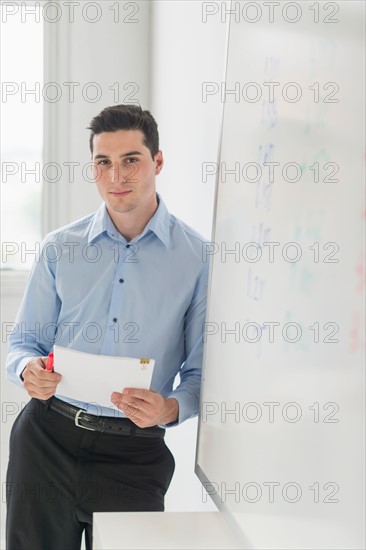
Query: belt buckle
column 77, row 421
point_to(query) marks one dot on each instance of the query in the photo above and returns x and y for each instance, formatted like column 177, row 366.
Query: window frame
column 54, row 198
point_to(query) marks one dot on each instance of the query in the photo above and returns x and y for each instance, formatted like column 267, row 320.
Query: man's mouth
column 120, row 193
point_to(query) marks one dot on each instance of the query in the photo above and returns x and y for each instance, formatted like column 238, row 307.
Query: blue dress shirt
column 93, row 291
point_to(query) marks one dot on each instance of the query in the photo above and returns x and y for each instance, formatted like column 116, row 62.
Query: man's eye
column 103, row 162
column 131, row 160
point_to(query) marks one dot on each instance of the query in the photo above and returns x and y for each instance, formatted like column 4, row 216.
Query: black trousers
column 59, row 474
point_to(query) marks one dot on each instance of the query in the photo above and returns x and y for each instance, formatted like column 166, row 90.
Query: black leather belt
column 105, row 424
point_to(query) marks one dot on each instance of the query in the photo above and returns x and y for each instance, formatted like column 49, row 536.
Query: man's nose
column 117, row 175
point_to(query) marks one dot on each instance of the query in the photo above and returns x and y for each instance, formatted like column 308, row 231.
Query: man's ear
column 159, row 162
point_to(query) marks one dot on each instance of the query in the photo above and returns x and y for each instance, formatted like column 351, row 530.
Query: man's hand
column 146, row 408
column 39, row 382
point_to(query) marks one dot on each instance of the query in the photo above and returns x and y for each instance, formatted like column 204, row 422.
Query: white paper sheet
column 93, row 378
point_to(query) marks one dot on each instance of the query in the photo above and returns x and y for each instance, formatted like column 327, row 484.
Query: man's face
column 125, row 172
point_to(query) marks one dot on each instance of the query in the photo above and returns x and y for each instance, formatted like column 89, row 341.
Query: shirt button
column 121, row 280
column 128, row 245
column 115, row 319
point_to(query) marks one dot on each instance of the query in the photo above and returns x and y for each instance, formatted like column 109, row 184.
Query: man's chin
column 121, row 209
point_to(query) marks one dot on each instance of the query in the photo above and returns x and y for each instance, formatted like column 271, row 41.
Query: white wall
column 109, row 54
column 185, row 53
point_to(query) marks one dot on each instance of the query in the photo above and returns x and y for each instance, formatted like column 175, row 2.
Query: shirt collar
column 158, row 224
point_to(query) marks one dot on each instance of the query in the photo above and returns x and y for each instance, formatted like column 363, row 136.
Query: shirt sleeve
column 34, row 329
column 187, row 392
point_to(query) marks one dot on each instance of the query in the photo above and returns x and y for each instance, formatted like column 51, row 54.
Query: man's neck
column 132, row 223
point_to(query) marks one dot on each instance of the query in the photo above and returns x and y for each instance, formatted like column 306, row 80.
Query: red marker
column 49, row 364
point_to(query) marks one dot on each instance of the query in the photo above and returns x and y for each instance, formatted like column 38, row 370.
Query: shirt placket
column 114, row 329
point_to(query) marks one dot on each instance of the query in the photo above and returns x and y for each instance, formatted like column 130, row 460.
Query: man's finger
column 146, row 395
column 35, row 391
column 132, row 414
column 121, row 400
column 40, row 381
column 141, row 420
column 43, row 374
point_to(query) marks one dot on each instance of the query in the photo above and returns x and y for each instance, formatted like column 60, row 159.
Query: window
column 21, row 134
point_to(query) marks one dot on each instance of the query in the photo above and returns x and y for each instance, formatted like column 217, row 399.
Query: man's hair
column 126, row 117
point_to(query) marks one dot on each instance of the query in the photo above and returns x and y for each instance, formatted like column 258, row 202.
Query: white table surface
column 162, row 530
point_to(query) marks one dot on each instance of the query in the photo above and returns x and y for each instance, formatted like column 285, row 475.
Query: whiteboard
column 281, row 441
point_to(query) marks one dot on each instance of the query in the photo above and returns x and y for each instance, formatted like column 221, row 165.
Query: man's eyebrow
column 130, row 153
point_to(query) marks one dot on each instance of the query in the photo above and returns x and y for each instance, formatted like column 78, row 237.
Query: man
column 132, row 274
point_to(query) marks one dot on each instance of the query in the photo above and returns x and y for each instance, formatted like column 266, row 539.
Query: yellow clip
column 144, row 360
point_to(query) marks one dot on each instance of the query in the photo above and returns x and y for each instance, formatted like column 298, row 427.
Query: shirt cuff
column 18, row 371
column 188, row 407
